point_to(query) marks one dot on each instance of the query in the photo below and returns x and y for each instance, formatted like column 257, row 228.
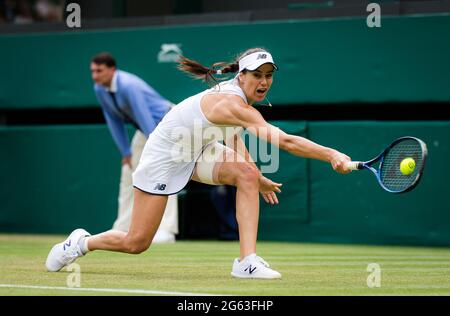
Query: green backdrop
column 56, row 178
column 321, row 61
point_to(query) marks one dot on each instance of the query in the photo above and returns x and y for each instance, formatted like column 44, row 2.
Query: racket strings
column 390, row 175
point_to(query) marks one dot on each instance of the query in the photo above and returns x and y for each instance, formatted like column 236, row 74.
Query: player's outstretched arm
column 248, row 117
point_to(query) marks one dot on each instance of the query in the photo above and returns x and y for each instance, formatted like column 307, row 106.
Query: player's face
column 256, row 84
column 102, row 74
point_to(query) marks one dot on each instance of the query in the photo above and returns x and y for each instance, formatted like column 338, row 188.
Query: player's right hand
column 339, row 162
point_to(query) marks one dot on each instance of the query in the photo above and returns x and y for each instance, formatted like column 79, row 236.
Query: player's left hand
column 267, row 188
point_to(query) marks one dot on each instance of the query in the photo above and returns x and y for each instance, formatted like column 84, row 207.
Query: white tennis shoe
column 253, row 267
column 65, row 252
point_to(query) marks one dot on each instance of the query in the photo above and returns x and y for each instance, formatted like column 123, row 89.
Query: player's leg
column 147, row 213
column 148, row 210
column 222, row 165
column 169, row 223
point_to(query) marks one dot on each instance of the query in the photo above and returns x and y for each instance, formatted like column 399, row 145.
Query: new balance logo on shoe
column 160, row 187
column 67, row 244
column 250, row 270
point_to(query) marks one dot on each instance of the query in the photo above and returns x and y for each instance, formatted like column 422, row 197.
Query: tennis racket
column 386, row 166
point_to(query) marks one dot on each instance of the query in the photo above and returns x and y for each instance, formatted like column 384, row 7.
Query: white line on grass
column 129, row 291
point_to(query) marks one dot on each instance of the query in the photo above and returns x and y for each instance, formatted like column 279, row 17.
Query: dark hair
column 104, row 59
column 198, row 71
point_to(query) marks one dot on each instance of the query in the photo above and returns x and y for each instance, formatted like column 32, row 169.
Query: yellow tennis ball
column 407, row 166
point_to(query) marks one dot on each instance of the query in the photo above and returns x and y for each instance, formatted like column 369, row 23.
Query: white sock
column 83, row 244
column 250, row 256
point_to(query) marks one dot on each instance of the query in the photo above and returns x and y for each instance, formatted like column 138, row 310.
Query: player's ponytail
column 208, row 74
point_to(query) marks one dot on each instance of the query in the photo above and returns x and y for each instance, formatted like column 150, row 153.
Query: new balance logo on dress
column 160, row 187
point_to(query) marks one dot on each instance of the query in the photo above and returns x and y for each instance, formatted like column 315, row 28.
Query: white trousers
column 169, row 221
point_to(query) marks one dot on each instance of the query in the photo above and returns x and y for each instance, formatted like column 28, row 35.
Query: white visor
column 253, row 61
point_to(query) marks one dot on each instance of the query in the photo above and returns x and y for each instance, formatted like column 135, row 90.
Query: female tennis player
column 185, row 145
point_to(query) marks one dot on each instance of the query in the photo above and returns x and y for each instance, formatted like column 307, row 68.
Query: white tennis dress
column 183, row 139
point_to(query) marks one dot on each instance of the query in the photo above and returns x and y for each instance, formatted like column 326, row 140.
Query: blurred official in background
column 126, row 98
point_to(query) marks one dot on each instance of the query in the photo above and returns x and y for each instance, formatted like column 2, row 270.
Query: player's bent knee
column 138, row 248
column 247, row 174
column 136, row 245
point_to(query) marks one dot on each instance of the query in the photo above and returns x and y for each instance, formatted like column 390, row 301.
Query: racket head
column 388, row 173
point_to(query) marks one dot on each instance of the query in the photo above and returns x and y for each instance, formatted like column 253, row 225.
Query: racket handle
column 354, row 165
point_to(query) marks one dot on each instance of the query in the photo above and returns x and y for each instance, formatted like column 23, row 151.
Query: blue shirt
column 135, row 102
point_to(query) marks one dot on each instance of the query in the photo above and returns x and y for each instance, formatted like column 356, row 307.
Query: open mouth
column 261, row 91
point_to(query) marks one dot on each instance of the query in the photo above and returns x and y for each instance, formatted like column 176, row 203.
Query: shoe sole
column 253, row 277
